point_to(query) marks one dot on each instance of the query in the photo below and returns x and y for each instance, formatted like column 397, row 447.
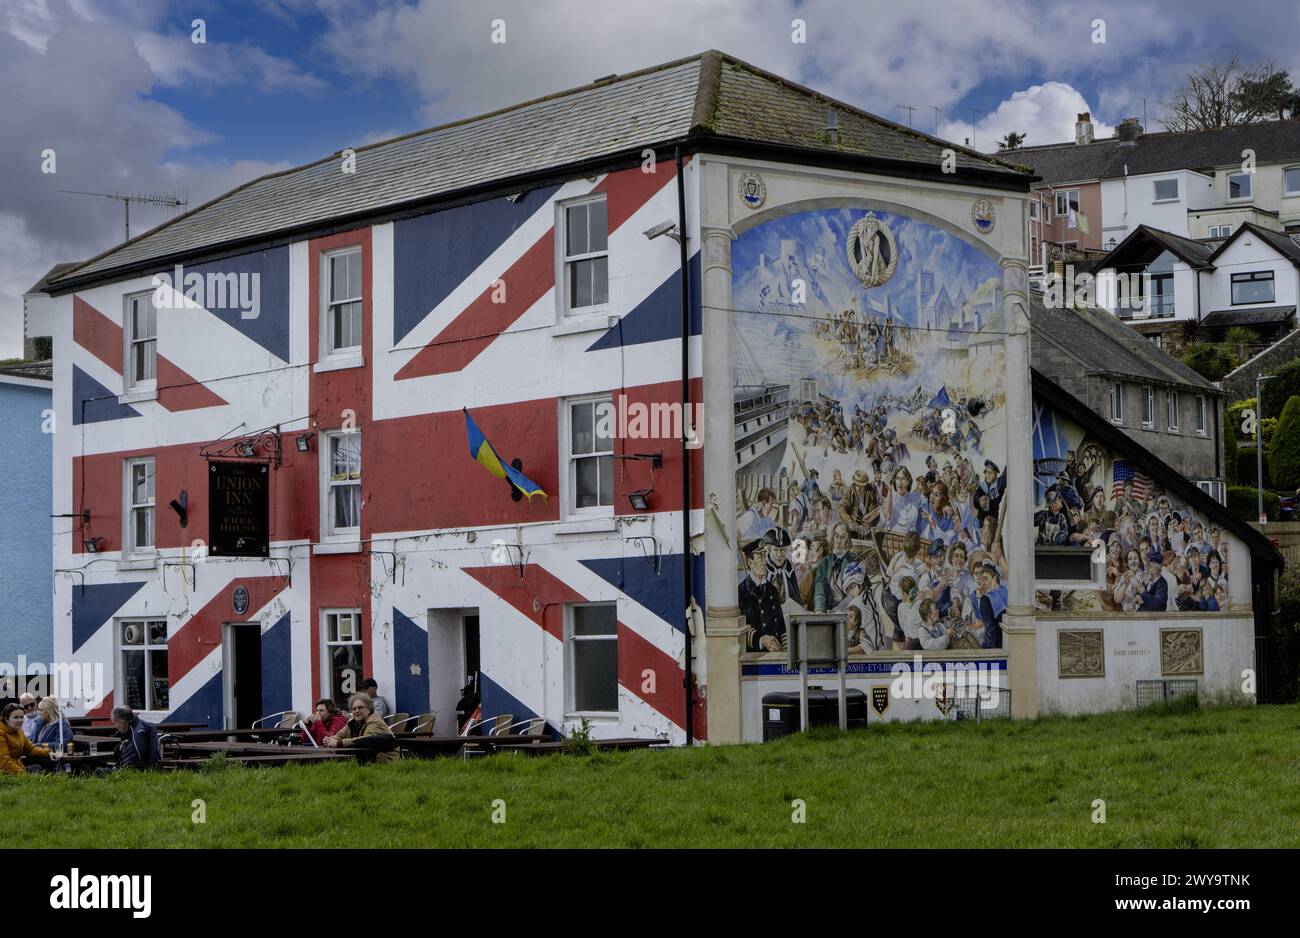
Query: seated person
column 15, row 747
column 53, row 732
column 327, row 721
column 366, row 730
column 138, row 748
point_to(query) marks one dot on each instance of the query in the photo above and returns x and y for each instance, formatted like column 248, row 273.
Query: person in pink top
column 326, row 722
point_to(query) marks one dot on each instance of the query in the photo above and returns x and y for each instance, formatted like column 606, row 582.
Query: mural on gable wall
column 1160, row 555
column 868, row 374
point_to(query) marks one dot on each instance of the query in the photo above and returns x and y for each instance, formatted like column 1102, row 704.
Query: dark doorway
column 246, row 681
column 471, row 648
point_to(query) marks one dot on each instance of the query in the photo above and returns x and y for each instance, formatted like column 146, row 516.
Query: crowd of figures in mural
column 1160, row 555
column 869, row 438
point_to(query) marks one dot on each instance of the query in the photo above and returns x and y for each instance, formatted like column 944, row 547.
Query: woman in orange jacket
column 15, row 746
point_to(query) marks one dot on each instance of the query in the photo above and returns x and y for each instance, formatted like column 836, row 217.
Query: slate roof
column 1258, row 316
column 54, row 273
column 1103, row 344
column 707, row 98
column 1144, row 244
column 37, row 371
column 1202, row 150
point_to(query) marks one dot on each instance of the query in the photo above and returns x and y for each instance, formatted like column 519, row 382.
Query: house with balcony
column 1196, row 185
column 1158, row 282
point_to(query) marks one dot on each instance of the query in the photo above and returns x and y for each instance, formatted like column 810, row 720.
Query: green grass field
column 1205, row 778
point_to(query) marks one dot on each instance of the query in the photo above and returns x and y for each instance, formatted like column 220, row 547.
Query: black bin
column 781, row 711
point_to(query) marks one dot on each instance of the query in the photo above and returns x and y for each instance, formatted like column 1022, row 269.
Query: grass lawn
column 1206, row 778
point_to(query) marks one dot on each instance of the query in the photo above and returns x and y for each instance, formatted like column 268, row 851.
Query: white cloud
column 176, row 60
column 1044, row 113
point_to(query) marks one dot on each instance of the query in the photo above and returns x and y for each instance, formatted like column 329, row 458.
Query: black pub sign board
column 238, row 509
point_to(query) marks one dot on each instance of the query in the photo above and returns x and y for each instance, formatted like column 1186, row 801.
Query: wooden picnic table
column 602, row 745
column 253, row 759
column 208, row 735
column 429, row 746
column 82, row 762
column 87, row 743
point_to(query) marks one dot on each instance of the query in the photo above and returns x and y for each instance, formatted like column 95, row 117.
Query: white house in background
column 1156, row 280
column 1161, row 200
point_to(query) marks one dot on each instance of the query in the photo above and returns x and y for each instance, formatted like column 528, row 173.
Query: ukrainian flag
column 481, row 451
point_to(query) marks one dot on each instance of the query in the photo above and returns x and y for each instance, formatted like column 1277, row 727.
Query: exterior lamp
column 92, row 544
column 304, row 442
column 640, row 499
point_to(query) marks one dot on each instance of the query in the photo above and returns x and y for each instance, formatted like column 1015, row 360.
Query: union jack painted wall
column 438, row 333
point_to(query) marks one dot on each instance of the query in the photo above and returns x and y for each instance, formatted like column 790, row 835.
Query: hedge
column 1284, row 386
column 1243, row 502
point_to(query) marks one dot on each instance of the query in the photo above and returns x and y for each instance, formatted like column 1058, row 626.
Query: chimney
column 1128, row 131
column 832, row 127
column 1083, row 129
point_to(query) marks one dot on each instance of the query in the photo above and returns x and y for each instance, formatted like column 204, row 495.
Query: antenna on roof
column 126, row 200
column 909, row 109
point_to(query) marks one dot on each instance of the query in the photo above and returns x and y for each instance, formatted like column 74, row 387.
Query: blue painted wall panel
column 26, row 535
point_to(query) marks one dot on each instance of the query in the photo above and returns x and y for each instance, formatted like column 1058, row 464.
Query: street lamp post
column 1259, row 444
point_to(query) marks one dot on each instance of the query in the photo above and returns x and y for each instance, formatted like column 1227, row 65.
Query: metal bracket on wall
column 275, row 565
column 72, row 573
column 653, row 540
column 391, row 574
column 194, row 572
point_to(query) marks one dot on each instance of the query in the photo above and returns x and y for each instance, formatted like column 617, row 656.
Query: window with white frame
column 1171, row 411
column 1201, row 425
column 591, row 454
column 1239, row 186
column 141, row 336
column 1033, row 209
column 1067, row 202
column 1216, row 490
column 341, row 630
column 139, row 506
column 143, row 681
column 1291, row 180
column 1165, row 190
column 1117, row 402
column 1255, row 286
column 1220, row 231
column 342, row 487
column 343, row 296
column 592, row 646
column 585, row 255
column 1148, row 406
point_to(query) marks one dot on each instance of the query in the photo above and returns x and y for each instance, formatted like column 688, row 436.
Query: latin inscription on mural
column 869, row 431
column 1159, row 554
column 1180, row 652
column 1081, row 653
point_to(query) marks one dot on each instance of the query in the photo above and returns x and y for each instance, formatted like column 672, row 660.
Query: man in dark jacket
column 138, row 748
column 760, row 602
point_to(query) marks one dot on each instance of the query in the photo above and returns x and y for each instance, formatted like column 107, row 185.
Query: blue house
column 26, row 539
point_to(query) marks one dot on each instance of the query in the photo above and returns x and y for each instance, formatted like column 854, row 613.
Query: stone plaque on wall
column 1080, row 653
column 1180, row 652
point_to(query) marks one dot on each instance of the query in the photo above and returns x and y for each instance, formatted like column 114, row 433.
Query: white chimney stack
column 1083, row 129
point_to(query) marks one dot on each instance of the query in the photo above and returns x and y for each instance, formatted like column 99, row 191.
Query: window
column 1156, row 339
column 1117, row 402
column 586, row 255
column 343, row 484
column 144, row 664
column 1200, row 414
column 1166, row 190
column 593, row 658
column 1033, row 209
column 1291, row 180
column 141, row 335
column 1171, row 410
column 342, row 631
column 1239, row 186
column 343, row 302
column 1148, row 406
column 1160, row 296
column 1064, row 565
column 1216, row 490
column 139, row 506
column 1220, row 231
column 1067, row 201
column 591, row 455
column 1253, row 287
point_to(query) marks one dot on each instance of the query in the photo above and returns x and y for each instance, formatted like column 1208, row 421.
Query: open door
column 243, row 668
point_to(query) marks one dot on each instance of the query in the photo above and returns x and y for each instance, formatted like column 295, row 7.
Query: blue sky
column 129, row 103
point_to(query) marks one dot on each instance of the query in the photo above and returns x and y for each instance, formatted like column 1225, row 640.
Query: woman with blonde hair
column 54, row 731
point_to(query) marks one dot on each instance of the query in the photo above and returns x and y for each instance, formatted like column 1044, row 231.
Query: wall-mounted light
column 668, row 228
column 182, row 508
column 303, row 442
column 640, row 499
column 92, row 544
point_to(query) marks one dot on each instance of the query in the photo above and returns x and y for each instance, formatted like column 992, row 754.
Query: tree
column 1265, row 93
column 1277, row 392
column 1284, row 454
column 1227, row 94
column 1237, row 338
column 1012, row 141
column 1211, row 362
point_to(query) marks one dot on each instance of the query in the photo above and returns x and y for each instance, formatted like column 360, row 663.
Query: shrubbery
column 1243, row 502
column 1211, row 362
column 1282, row 388
column 1284, row 453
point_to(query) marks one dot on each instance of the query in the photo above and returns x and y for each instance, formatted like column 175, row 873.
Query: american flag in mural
column 1125, row 472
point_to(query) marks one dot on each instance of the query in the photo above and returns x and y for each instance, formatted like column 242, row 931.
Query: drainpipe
column 687, row 586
